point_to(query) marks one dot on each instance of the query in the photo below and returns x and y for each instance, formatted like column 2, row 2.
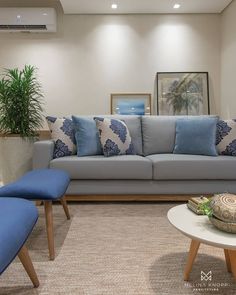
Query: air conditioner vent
column 23, row 27
column 28, row 19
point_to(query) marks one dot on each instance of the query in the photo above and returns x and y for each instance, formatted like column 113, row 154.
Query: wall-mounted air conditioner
column 36, row 20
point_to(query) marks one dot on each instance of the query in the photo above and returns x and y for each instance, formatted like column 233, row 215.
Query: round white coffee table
column 199, row 229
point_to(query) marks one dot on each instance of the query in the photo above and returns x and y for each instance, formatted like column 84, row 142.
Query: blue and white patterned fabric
column 63, row 134
column 114, row 136
column 226, row 137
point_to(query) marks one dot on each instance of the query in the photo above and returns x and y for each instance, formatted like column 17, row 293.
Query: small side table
column 199, row 229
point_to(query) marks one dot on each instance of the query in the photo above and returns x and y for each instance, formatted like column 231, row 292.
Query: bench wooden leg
column 38, row 203
column 49, row 226
column 65, row 207
column 28, row 265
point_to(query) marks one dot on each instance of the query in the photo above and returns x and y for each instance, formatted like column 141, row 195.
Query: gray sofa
column 155, row 170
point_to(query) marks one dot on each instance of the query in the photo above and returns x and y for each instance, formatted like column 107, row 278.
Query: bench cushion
column 195, row 167
column 17, row 219
column 39, row 184
column 100, row 167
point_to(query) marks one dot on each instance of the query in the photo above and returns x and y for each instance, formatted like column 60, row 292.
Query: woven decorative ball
column 224, row 212
column 224, row 207
column 228, row 227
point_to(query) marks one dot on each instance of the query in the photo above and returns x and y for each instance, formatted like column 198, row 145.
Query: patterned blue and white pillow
column 226, row 137
column 115, row 137
column 63, row 134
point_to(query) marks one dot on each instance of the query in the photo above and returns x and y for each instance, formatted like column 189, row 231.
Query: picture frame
column 131, row 104
column 183, row 93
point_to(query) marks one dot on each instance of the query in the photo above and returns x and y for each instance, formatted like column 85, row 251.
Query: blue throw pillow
column 196, row 136
column 86, row 136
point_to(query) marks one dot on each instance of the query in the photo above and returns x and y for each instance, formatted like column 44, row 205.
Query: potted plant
column 21, row 117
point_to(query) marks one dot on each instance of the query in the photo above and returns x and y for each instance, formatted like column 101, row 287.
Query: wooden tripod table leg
column 194, row 246
column 227, row 260
column 28, row 265
column 232, row 259
column 49, row 225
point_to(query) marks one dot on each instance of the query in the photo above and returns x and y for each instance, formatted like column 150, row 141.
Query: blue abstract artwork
column 130, row 107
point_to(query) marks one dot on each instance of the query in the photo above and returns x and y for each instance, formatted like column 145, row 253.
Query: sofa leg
column 65, row 207
column 28, row 265
column 49, row 227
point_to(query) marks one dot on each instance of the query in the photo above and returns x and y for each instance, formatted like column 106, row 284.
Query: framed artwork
column 183, row 93
column 131, row 104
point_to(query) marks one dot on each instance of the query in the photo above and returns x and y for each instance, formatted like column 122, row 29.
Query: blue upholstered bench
column 42, row 184
column 17, row 219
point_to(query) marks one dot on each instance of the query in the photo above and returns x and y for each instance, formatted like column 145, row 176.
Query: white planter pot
column 15, row 157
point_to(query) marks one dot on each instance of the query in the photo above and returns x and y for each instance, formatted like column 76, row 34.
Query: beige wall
column 228, row 62
column 93, row 56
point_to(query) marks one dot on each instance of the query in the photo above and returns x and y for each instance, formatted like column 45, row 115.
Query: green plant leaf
column 21, row 101
column 206, row 208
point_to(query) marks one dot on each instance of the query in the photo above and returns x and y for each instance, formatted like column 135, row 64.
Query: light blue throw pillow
column 86, row 136
column 196, row 136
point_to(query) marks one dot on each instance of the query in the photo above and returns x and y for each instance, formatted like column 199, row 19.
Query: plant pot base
column 15, row 157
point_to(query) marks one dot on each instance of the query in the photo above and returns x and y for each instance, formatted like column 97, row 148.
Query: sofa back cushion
column 158, row 134
column 133, row 123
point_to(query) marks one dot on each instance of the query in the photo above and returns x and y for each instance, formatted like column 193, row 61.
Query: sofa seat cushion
column 194, row 167
column 100, row 167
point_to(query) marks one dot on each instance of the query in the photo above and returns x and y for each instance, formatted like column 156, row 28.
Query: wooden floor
column 137, row 198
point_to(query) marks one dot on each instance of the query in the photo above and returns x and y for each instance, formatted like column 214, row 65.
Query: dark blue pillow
column 196, row 136
column 86, row 136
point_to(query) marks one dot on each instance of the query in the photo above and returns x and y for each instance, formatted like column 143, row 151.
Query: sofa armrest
column 42, row 154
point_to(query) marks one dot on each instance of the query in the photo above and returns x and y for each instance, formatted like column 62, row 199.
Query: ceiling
column 143, row 6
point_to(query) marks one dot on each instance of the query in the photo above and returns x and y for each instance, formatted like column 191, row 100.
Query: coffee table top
column 198, row 227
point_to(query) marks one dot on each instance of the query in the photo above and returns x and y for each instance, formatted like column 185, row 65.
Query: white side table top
column 199, row 227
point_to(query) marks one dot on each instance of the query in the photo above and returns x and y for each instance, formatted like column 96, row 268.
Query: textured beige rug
column 116, row 249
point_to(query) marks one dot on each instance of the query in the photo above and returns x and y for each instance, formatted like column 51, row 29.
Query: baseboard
column 128, row 198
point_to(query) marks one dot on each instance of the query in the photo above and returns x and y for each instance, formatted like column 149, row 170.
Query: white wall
column 228, row 62
column 93, row 56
